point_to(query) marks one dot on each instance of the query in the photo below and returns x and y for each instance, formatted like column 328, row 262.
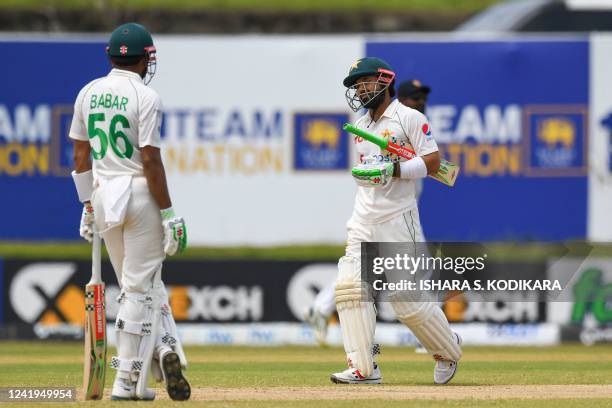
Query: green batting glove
column 175, row 232
column 373, row 174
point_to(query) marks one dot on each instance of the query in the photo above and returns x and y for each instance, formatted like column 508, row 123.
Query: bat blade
column 95, row 342
column 446, row 174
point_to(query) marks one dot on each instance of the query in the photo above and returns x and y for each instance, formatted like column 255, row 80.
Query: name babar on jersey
column 118, row 115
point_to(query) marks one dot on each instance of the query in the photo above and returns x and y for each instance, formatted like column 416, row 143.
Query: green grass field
column 565, row 376
column 524, row 251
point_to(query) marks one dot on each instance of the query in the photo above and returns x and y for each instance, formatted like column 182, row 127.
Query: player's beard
column 375, row 102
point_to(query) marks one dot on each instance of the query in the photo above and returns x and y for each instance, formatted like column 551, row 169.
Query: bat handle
column 96, row 257
column 382, row 143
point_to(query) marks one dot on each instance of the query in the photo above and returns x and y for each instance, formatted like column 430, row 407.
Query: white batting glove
column 373, row 174
column 87, row 222
column 175, row 232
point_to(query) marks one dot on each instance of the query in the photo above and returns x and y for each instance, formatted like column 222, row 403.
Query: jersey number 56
column 112, row 138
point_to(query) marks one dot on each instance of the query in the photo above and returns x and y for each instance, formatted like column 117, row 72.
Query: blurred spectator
column 413, row 94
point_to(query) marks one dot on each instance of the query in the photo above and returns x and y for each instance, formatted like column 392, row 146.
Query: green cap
column 366, row 66
column 130, row 40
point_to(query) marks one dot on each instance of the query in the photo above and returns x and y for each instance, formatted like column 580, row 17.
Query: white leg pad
column 167, row 340
column 148, row 345
column 168, row 336
column 357, row 316
column 429, row 325
column 132, row 326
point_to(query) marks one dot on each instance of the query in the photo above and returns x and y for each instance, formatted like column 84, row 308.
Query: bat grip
column 96, row 257
column 382, row 143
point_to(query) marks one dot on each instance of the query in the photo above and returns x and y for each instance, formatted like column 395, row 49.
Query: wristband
column 413, row 168
column 84, row 184
column 167, row 213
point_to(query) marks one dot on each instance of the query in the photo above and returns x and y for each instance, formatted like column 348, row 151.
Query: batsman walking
column 117, row 121
column 386, row 211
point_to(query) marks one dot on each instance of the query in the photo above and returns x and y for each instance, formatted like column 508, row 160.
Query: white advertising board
column 387, row 334
column 251, row 137
column 600, row 141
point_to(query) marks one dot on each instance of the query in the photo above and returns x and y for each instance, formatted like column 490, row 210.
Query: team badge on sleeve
column 427, row 131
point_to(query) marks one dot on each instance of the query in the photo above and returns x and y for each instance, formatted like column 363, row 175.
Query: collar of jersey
column 391, row 109
column 124, row 73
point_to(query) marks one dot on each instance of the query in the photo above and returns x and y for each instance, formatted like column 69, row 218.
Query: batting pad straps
column 130, row 365
column 413, row 169
column 138, row 328
column 168, row 340
column 84, row 184
column 143, row 298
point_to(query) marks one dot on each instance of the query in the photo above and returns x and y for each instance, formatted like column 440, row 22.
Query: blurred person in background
column 414, row 94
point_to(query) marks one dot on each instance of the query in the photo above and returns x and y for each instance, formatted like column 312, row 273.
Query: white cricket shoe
column 445, row 370
column 319, row 324
column 353, row 376
column 176, row 384
column 125, row 390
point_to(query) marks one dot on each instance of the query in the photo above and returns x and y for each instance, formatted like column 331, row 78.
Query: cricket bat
column 95, row 328
column 447, row 173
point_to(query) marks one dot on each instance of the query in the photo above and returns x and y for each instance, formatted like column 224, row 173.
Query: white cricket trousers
column 405, row 227
column 135, row 247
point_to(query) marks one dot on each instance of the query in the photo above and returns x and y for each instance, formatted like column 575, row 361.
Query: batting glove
column 87, row 222
column 373, row 174
column 175, row 232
